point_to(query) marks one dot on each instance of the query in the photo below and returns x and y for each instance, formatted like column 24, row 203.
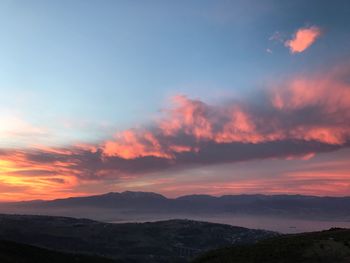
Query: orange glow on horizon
column 23, row 179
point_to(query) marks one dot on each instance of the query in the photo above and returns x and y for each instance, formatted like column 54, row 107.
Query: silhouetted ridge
column 310, row 207
column 196, row 197
column 131, row 194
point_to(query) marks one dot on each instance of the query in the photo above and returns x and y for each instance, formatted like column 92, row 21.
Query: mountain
column 164, row 241
column 136, row 200
column 317, row 247
column 129, row 205
column 11, row 252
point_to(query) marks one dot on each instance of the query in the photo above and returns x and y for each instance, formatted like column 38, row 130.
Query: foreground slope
column 164, row 241
column 331, row 246
column 11, row 252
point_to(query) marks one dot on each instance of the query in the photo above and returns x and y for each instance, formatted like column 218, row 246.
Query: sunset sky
column 175, row 97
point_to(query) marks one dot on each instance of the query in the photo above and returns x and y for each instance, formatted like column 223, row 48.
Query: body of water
column 279, row 224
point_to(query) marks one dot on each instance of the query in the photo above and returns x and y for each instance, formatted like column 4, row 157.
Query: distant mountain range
column 114, row 205
column 153, row 242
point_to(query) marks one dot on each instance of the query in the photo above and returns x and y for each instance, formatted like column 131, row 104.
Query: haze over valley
column 281, row 213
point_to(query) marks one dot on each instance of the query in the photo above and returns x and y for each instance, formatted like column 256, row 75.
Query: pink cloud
column 308, row 108
column 303, row 39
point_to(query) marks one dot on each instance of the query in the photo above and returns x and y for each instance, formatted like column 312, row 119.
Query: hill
column 164, row 241
column 318, row 247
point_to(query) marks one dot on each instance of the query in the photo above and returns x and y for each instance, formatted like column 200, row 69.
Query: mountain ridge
column 133, row 205
column 128, row 192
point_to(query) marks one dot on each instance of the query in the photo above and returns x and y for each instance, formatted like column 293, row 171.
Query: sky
column 176, row 97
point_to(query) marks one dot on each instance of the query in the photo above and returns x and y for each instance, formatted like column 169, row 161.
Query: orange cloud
column 303, row 39
column 34, row 178
column 130, row 145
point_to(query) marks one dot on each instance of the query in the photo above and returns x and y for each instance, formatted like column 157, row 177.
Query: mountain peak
column 196, row 197
column 132, row 194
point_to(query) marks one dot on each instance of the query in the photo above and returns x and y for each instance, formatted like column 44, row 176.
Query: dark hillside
column 332, row 246
column 163, row 241
column 11, row 252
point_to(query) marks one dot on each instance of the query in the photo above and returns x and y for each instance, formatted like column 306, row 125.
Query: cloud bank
column 297, row 118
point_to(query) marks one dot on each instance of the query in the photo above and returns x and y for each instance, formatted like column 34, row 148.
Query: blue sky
column 107, row 65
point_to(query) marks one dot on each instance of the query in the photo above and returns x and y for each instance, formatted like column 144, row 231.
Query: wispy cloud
column 277, row 37
column 303, row 39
